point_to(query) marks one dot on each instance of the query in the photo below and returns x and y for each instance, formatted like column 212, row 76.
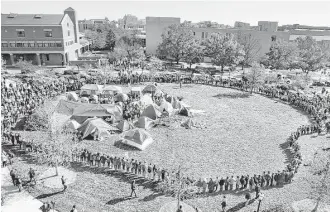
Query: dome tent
column 124, row 125
column 166, row 106
column 144, row 122
column 93, row 124
column 151, row 112
column 72, row 124
column 184, row 111
column 138, row 138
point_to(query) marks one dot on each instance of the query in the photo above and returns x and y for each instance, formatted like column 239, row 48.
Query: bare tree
column 255, row 76
column 251, row 47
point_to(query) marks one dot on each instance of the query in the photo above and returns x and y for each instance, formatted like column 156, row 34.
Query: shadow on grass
column 151, row 197
column 42, row 196
column 118, row 200
column 232, row 95
column 239, row 206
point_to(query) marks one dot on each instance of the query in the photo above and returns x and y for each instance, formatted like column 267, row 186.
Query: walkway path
column 14, row 200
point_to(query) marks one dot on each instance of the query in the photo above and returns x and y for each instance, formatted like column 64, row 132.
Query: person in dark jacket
column 133, row 188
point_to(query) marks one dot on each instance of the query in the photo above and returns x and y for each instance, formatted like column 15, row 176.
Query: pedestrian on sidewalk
column 64, row 184
column 133, row 187
column 4, row 160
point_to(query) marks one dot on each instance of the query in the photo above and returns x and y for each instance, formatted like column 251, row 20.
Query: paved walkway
column 14, row 200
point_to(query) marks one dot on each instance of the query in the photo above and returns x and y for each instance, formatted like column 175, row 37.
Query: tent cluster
column 87, row 118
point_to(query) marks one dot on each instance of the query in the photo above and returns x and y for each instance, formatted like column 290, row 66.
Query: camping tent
column 72, row 124
column 138, row 138
column 151, row 112
column 166, row 106
column 90, row 89
column 124, row 125
column 72, row 96
column 150, row 89
column 93, row 124
column 144, row 122
column 112, row 89
column 121, row 97
column 188, row 124
column 84, row 100
column 85, row 109
column 136, row 90
column 146, row 100
column 176, row 103
column 184, row 111
column 79, row 119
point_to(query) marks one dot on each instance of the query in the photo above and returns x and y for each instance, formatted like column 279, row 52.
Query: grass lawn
column 243, row 135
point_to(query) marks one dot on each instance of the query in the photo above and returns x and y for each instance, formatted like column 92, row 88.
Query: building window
column 68, row 32
column 58, row 44
column 4, row 44
column 67, row 24
column 25, row 44
column 12, row 44
column 20, row 33
column 206, row 34
column 194, row 33
column 202, row 35
column 31, row 44
column 40, row 44
column 47, row 57
column 274, row 38
column 19, row 45
column 48, row 33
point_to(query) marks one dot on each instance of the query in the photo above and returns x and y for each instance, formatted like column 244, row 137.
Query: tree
column 302, row 81
column 251, row 48
column 193, row 52
column 129, row 46
column 175, row 40
column 312, row 55
column 255, row 76
column 224, row 50
column 55, row 145
column 26, row 66
column 110, row 40
column 320, row 183
column 282, row 55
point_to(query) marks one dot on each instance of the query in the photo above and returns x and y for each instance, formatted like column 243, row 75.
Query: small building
column 44, row 39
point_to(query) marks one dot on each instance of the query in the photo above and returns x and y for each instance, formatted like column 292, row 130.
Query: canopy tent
column 150, row 89
column 124, row 125
column 72, row 96
column 166, row 106
column 184, row 111
column 121, row 97
column 90, row 89
column 85, row 109
column 146, row 100
column 93, row 124
column 112, row 89
column 84, row 100
column 144, row 122
column 72, row 124
column 188, row 124
column 151, row 112
column 137, row 138
column 10, row 82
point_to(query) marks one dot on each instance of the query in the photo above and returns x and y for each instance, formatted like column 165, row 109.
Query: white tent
column 72, row 124
column 112, row 89
column 166, row 106
column 138, row 138
column 91, row 89
column 72, row 96
column 146, row 100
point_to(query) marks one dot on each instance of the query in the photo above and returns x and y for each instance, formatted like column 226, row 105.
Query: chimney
column 72, row 14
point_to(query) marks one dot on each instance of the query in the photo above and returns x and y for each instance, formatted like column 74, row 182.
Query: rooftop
column 31, row 19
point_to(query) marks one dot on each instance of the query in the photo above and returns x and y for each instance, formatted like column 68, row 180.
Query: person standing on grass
column 144, row 169
column 149, row 171
column 19, row 183
column 179, row 209
column 74, row 209
column 64, row 183
column 227, row 184
column 221, row 183
column 13, row 176
column 32, row 175
column 133, row 188
column 224, row 203
column 238, row 183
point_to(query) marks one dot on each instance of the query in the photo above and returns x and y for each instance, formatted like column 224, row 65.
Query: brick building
column 44, row 39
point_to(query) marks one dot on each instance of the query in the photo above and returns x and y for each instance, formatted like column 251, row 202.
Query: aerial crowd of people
column 22, row 99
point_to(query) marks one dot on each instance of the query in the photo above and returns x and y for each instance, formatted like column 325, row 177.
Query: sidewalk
column 14, row 200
